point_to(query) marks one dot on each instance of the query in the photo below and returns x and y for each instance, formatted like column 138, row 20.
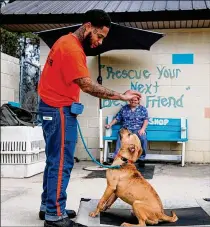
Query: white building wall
column 10, row 77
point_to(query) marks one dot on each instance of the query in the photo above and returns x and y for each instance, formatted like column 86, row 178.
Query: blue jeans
column 60, row 134
column 143, row 139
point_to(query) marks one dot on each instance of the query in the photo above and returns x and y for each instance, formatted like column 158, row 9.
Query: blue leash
column 93, row 159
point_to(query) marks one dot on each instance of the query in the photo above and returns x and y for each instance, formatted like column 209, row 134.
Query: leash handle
column 93, row 159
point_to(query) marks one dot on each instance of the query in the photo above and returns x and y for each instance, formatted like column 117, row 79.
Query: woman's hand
column 141, row 132
column 107, row 126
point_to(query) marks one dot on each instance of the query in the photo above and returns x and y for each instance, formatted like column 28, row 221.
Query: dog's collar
column 124, row 159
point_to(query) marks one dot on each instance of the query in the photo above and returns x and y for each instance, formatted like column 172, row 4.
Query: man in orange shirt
column 64, row 74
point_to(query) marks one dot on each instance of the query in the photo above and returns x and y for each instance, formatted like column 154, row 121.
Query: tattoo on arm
column 94, row 89
column 95, row 31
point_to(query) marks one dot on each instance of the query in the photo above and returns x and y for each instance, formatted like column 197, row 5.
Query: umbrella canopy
column 119, row 38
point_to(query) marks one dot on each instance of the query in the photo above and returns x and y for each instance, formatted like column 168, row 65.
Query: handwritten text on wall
column 137, row 80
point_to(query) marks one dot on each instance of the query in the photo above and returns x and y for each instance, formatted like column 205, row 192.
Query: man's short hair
column 98, row 18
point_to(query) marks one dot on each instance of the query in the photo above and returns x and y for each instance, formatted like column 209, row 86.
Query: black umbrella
column 119, row 38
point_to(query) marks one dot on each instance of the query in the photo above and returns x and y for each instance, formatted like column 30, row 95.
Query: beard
column 87, row 41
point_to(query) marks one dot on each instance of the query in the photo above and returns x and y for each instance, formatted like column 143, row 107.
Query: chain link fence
column 29, row 78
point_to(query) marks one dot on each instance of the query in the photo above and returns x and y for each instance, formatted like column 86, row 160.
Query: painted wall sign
column 137, row 80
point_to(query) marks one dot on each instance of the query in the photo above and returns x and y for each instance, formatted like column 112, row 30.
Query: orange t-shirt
column 65, row 63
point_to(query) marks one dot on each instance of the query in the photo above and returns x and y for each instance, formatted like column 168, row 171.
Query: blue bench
column 159, row 130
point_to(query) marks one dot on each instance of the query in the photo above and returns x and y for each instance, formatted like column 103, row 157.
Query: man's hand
column 141, row 132
column 128, row 95
column 97, row 90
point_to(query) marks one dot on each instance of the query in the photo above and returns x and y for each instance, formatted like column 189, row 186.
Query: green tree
column 11, row 41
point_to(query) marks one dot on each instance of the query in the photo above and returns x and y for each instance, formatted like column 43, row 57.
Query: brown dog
column 129, row 185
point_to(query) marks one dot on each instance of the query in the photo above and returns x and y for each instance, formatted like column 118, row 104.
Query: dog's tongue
column 133, row 149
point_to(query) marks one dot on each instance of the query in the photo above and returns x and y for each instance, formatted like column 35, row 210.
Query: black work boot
column 71, row 214
column 66, row 222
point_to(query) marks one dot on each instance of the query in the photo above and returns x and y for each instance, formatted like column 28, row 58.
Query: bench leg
column 183, row 154
column 106, row 150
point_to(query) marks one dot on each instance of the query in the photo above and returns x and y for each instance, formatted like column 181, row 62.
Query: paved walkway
column 178, row 187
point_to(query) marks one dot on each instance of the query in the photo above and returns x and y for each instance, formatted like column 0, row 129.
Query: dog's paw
column 92, row 214
column 132, row 213
column 126, row 224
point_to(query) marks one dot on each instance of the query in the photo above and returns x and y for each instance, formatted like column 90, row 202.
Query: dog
column 128, row 184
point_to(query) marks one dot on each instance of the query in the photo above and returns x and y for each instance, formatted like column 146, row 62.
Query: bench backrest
column 158, row 129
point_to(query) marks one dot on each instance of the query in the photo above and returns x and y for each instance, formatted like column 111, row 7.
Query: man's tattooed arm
column 97, row 90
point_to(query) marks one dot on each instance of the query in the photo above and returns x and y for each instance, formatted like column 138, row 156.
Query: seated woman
column 135, row 118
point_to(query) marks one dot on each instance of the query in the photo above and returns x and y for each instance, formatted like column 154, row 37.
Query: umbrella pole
column 99, row 80
column 99, row 168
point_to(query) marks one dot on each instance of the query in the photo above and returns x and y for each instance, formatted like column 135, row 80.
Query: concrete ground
column 178, row 187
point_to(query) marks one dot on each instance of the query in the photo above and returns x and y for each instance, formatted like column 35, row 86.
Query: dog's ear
column 120, row 133
column 140, row 152
column 131, row 148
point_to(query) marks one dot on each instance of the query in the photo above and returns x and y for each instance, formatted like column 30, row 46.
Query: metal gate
column 29, row 78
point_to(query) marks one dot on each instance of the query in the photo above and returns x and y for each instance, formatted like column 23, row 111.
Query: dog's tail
column 172, row 218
